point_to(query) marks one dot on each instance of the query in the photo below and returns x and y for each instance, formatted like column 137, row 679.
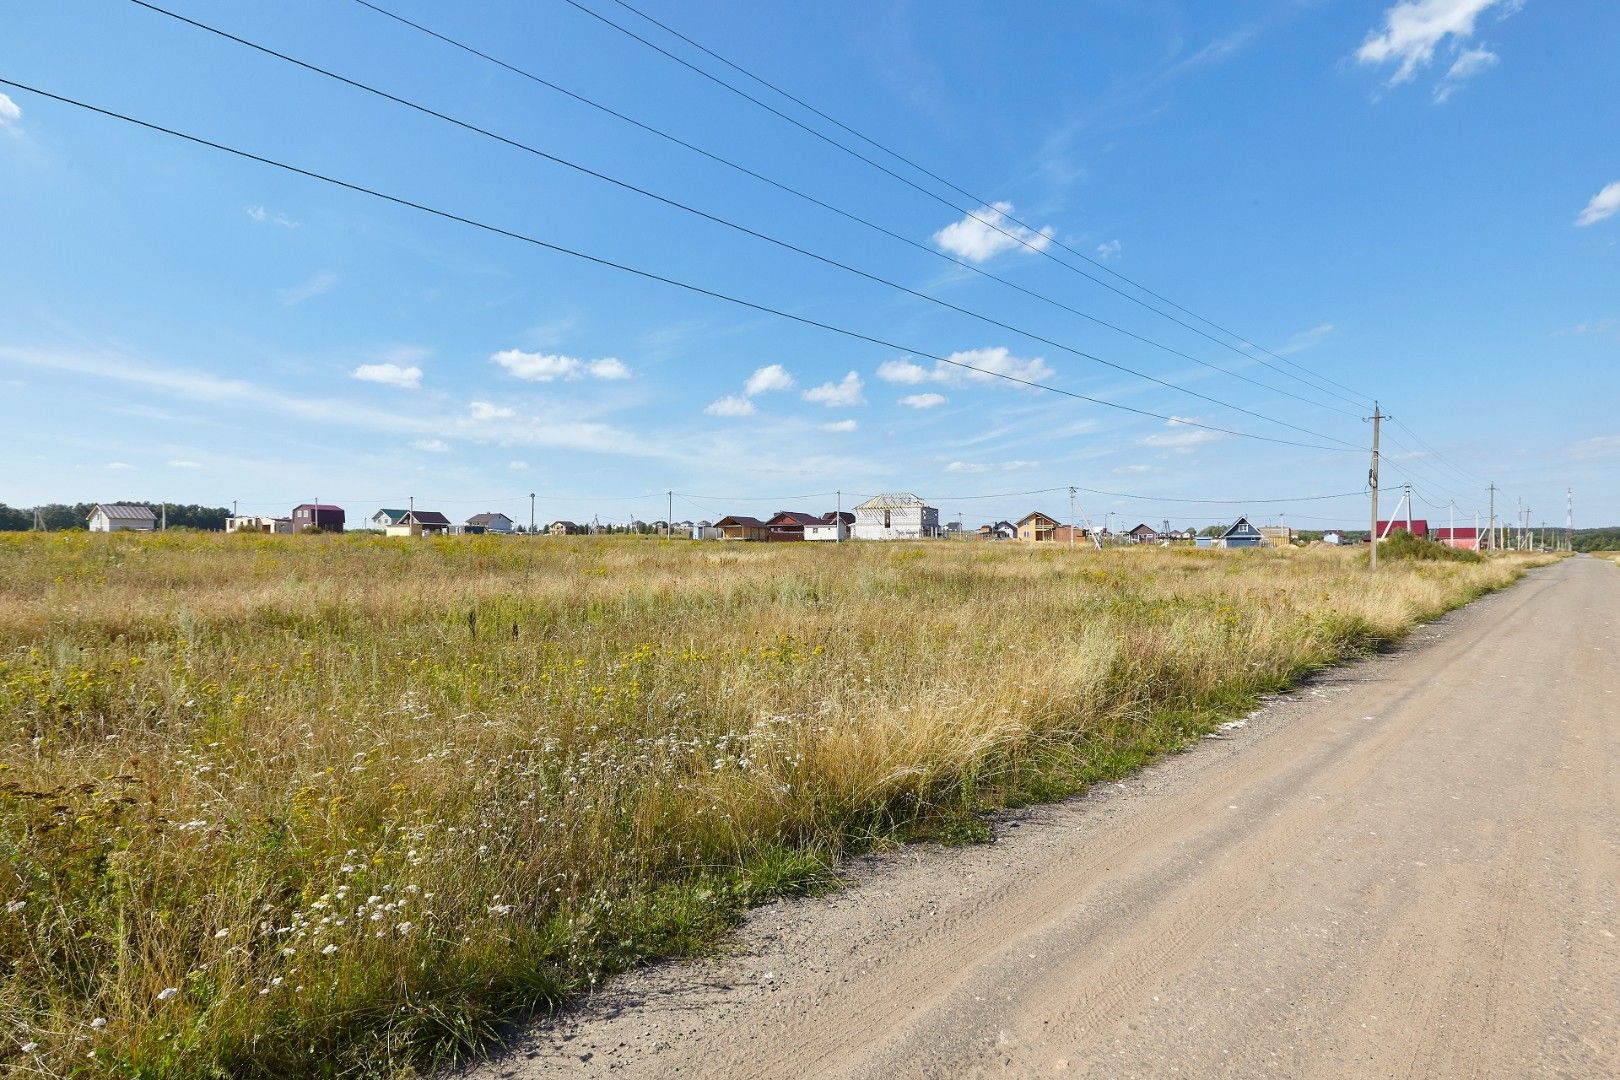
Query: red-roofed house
column 1420, row 528
column 1463, row 537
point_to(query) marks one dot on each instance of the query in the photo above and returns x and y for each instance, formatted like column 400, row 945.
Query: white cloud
column 967, row 467
column 1414, row 29
column 967, row 366
column 324, row 282
column 261, row 215
column 432, row 446
column 1468, row 64
column 517, row 466
column 406, row 378
column 484, row 410
column 924, row 401
column 185, row 464
column 983, row 467
column 119, row 465
column 766, row 379
column 1109, row 249
column 841, row 394
column 840, row 425
column 1305, row 339
column 903, row 372
column 1605, row 204
column 609, row 367
column 10, row 113
column 987, row 232
column 1135, row 470
column 730, row 405
column 548, row 367
column 1601, row 446
column 1181, row 437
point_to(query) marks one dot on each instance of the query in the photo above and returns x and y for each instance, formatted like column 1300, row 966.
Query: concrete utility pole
column 1372, row 482
column 1490, row 537
column 164, row 511
column 1071, row 518
column 1451, row 530
column 669, row 522
column 531, row 513
column 838, row 527
column 1406, row 497
column 1569, row 520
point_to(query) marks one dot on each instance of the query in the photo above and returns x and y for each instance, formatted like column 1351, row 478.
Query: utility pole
column 1451, row 530
column 838, row 527
column 1491, row 534
column 669, row 522
column 1071, row 518
column 531, row 513
column 233, row 508
column 1569, row 520
column 1372, row 482
column 1406, row 497
column 165, row 515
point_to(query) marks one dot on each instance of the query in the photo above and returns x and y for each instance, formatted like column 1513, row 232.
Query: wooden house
column 1036, row 527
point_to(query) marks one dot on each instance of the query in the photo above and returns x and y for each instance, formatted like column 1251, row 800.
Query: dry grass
column 327, row 805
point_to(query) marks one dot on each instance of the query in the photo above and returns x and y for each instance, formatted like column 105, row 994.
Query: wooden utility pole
column 1372, row 481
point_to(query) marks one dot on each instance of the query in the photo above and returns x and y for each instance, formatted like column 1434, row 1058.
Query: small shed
column 742, row 527
column 833, row 525
column 122, row 517
column 421, row 523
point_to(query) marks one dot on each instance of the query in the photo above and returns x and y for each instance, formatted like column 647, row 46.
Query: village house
column 1239, row 534
column 489, row 521
column 896, row 515
column 1036, row 527
column 1277, row 535
column 1419, row 528
column 384, row 518
column 1142, row 534
column 421, row 523
column 1461, row 537
column 705, row 530
column 790, row 524
column 255, row 524
column 122, row 517
column 1001, row 530
column 564, row 528
column 323, row 516
column 1333, row 536
column 1071, row 535
column 742, row 527
column 833, row 525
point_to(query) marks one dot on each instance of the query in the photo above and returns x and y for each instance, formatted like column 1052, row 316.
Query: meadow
column 325, row 805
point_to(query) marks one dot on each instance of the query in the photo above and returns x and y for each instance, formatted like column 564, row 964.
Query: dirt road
column 1409, row 868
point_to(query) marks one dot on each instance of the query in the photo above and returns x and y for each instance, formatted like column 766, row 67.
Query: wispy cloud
column 324, row 282
column 485, row 410
column 1413, row 31
column 517, row 466
column 185, row 464
column 1468, row 64
column 10, row 114
column 1109, row 249
column 1605, row 204
column 549, row 367
column 432, row 446
column 119, row 466
column 846, row 392
column 988, row 232
column 924, row 401
column 1181, row 438
column 406, row 378
column 991, row 365
column 1305, row 339
column 263, row 216
column 840, row 425
column 730, row 405
column 990, row 466
column 1602, row 446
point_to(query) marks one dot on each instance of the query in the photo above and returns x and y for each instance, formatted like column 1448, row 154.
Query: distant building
column 790, row 524
column 1386, row 529
column 564, row 528
column 1001, row 530
column 1277, row 535
column 258, row 524
column 384, row 518
column 421, row 523
column 1143, row 534
column 834, row 525
column 1333, row 536
column 323, row 516
column 1036, row 527
column 896, row 515
column 1462, row 537
column 122, row 517
column 742, row 527
column 1073, row 535
column 490, row 522
column 1239, row 534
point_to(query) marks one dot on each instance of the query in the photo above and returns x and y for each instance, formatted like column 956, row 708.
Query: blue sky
column 1418, row 202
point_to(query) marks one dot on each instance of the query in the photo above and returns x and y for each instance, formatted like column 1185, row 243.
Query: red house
column 790, row 524
column 1420, row 528
column 324, row 516
column 1464, row 537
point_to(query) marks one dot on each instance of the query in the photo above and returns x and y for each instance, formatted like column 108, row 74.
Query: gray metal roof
column 126, row 511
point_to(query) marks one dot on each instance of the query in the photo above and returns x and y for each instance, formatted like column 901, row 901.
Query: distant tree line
column 57, row 517
column 1604, row 539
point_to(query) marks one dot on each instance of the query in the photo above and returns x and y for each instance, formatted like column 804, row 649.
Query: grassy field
column 274, row 806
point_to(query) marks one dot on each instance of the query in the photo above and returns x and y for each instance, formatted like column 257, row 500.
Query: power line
column 649, row 275
column 848, row 215
column 991, row 223
column 722, row 221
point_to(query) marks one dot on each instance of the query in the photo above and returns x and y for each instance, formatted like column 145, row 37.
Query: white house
column 258, row 524
column 122, row 517
column 833, row 526
column 896, row 515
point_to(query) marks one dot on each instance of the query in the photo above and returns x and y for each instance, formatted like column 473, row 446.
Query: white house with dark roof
column 897, row 515
column 491, row 521
column 122, row 517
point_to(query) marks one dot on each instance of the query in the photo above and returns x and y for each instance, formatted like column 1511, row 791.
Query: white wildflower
column 329, row 950
column 168, row 992
column 222, row 932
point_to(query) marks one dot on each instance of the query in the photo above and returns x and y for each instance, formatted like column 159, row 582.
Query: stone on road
column 1410, row 867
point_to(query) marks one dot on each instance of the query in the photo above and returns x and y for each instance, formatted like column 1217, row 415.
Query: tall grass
column 338, row 805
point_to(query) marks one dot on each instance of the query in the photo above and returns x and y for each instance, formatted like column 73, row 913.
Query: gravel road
column 1410, row 866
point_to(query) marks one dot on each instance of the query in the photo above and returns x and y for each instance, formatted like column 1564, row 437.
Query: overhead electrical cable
column 848, row 215
column 726, row 222
column 991, row 223
column 648, row 275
